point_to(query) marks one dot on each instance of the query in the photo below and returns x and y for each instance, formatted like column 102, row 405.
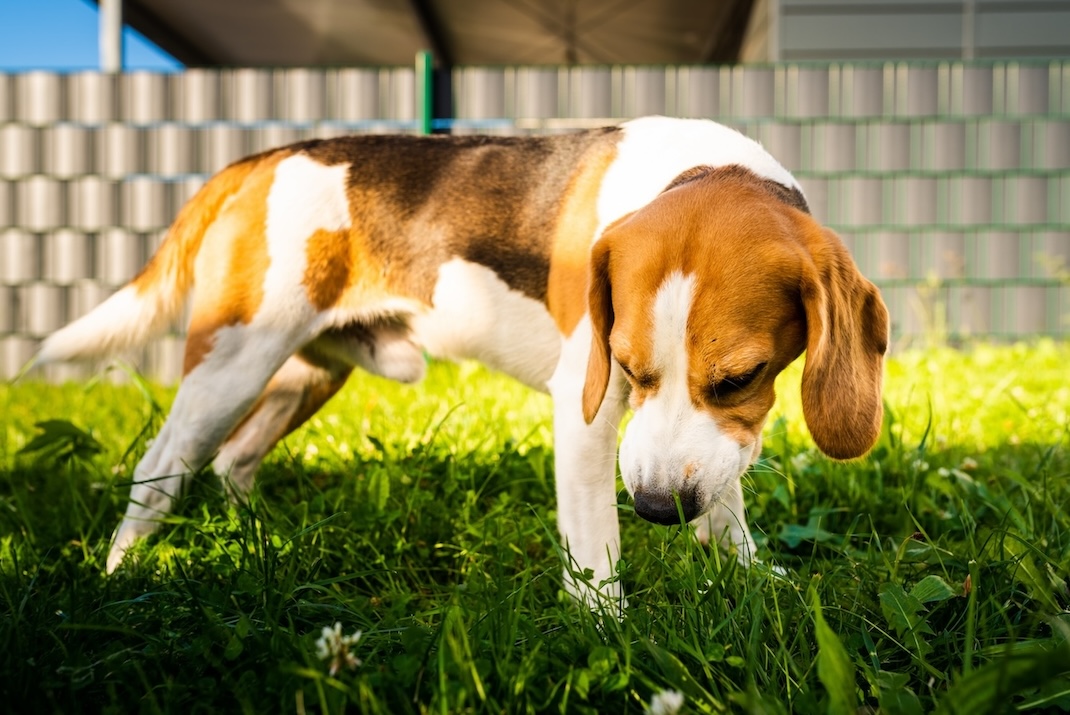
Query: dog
column 669, row 266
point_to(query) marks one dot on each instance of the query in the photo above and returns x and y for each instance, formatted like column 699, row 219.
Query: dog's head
column 702, row 297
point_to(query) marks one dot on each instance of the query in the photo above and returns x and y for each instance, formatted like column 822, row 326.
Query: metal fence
column 949, row 181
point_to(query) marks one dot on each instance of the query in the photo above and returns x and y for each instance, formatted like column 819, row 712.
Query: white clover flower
column 334, row 646
column 667, row 702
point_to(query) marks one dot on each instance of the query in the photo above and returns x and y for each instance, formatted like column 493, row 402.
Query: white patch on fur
column 305, row 197
column 668, row 438
column 476, row 316
column 655, row 150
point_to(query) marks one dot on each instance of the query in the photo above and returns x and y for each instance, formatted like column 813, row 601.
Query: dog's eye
column 640, row 378
column 728, row 386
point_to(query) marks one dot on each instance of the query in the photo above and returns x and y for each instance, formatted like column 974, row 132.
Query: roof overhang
column 288, row 33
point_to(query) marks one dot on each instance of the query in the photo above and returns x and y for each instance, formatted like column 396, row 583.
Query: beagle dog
column 668, row 266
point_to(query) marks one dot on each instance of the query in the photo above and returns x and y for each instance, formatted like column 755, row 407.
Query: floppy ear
column 600, row 308
column 847, row 336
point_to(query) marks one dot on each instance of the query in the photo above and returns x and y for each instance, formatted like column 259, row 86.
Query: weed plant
column 929, row 576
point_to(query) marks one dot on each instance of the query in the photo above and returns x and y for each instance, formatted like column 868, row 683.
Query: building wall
column 915, row 29
column 950, row 182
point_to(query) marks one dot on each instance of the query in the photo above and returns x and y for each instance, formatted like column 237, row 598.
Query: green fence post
column 424, row 98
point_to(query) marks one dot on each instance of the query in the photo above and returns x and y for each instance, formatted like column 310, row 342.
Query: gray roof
column 390, row 32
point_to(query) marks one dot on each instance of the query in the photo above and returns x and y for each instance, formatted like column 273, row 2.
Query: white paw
column 124, row 537
column 605, row 598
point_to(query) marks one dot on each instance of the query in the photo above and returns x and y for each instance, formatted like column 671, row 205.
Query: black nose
column 660, row 507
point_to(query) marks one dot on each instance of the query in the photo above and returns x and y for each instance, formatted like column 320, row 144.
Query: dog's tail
column 151, row 302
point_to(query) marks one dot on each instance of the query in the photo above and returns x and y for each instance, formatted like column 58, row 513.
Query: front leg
column 726, row 523
column 585, row 460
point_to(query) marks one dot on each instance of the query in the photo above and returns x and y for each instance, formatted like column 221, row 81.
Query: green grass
column 930, row 575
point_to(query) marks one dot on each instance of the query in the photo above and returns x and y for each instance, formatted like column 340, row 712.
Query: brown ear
column 847, row 336
column 600, row 308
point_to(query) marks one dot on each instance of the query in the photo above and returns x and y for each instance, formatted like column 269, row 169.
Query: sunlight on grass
column 930, row 575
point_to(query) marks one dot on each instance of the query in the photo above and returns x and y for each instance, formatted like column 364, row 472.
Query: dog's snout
column 659, row 506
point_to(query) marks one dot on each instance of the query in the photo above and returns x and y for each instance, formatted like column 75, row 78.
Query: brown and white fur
column 667, row 265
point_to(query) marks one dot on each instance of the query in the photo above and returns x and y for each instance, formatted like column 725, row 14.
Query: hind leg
column 212, row 399
column 295, row 393
column 307, row 381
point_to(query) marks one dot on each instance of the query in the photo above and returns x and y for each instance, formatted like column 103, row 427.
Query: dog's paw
column 116, row 554
column 128, row 532
column 605, row 598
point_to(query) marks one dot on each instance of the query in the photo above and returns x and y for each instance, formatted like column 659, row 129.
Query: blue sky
column 62, row 35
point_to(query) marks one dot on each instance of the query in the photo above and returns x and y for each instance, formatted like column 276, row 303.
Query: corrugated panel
column 143, row 97
column 397, row 94
column 247, row 95
column 39, row 97
column 643, row 91
column 806, row 91
column 43, row 308
column 67, row 150
column 536, row 94
column 300, row 95
column 221, row 144
column 588, row 92
column 481, row 93
column 67, row 257
column 858, row 91
column 19, row 151
column 1024, row 28
column 692, row 91
column 20, row 257
column 39, row 205
column 833, row 147
column 120, row 255
column 92, row 98
column 196, row 96
column 942, row 146
column 143, row 204
column 753, row 92
column 93, row 202
column 7, row 97
column 171, row 150
column 861, row 29
column 7, row 310
column 118, row 150
column 949, row 182
column 353, row 94
column 15, row 351
column 784, row 140
column 971, row 89
column 7, row 204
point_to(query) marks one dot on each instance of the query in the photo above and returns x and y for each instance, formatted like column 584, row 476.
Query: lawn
column 931, row 575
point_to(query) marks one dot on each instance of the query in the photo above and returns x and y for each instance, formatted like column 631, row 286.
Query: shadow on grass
column 932, row 565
